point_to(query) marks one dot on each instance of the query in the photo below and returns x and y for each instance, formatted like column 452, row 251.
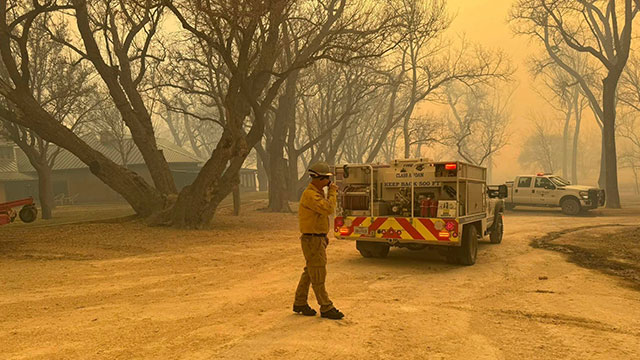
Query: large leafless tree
column 600, row 29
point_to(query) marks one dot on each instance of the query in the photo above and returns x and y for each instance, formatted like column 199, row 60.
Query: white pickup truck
column 552, row 191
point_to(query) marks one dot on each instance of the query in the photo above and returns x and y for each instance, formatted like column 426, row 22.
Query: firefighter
column 315, row 209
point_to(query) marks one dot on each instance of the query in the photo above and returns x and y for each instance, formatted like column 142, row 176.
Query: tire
column 28, row 214
column 382, row 250
column 498, row 230
column 371, row 249
column 469, row 249
column 571, row 206
column 364, row 249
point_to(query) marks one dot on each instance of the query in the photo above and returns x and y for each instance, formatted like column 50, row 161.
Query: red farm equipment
column 27, row 214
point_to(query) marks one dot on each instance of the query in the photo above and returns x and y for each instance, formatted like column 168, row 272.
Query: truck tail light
column 344, row 231
column 451, row 166
column 338, row 221
column 450, row 225
column 444, row 234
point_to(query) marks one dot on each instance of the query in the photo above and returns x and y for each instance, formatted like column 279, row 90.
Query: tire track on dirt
column 629, row 271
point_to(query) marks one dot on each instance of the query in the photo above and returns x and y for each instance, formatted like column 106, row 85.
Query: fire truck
column 416, row 204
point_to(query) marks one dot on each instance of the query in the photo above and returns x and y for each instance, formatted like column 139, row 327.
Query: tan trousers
column 315, row 273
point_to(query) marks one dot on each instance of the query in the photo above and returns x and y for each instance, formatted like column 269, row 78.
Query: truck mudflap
column 398, row 229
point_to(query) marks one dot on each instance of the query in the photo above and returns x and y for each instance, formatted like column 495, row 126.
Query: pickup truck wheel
column 498, row 230
column 571, row 206
column 469, row 249
column 28, row 214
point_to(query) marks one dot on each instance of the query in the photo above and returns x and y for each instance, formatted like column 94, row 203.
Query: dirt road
column 123, row 291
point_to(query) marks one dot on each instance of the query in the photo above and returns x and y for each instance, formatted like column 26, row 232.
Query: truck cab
column 550, row 190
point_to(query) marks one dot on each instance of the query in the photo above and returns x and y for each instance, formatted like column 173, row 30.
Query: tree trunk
column 565, row 142
column 45, row 187
column 576, row 142
column 263, row 178
column 602, row 178
column 197, row 202
column 278, row 169
column 609, row 132
column 292, row 187
column 278, row 192
column 406, row 137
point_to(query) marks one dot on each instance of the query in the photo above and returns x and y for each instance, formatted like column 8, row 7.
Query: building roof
column 20, row 169
column 9, row 171
column 16, row 176
column 67, row 161
column 7, row 166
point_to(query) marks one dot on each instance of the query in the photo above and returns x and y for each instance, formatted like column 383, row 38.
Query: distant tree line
column 278, row 83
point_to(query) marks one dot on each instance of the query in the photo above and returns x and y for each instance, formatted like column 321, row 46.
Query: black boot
column 305, row 310
column 333, row 314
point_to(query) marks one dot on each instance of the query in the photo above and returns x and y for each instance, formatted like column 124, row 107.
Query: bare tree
column 249, row 38
column 66, row 93
column 360, row 32
column 567, row 99
column 107, row 125
column 629, row 127
column 332, row 98
column 541, row 149
column 429, row 73
column 479, row 120
column 17, row 21
column 594, row 27
column 117, row 38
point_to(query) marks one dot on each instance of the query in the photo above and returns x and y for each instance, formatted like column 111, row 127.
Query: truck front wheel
column 469, row 249
column 498, row 231
column 571, row 206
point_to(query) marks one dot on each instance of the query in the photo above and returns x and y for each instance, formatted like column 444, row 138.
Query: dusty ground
column 123, row 290
column 612, row 249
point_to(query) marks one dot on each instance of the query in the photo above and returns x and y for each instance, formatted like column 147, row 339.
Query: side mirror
column 503, row 192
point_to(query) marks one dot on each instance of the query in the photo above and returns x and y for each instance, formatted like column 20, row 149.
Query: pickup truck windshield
column 559, row 181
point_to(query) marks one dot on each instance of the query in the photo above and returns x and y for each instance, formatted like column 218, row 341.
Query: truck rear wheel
column 372, row 249
column 498, row 230
column 469, row 249
column 571, row 206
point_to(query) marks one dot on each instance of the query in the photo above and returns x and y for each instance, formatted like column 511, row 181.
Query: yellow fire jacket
column 314, row 210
